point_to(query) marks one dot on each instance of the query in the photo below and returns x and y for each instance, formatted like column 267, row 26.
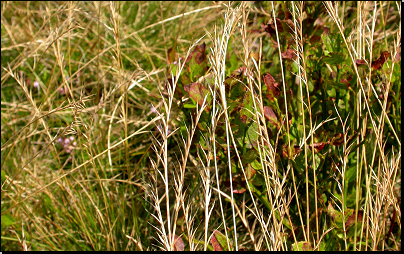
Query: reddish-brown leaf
column 315, row 38
column 199, row 54
column 344, row 81
column 337, row 139
column 197, row 92
column 270, row 115
column 351, row 219
column 250, row 172
column 297, row 149
column 319, row 146
column 244, row 118
column 319, row 22
column 252, row 31
column 289, row 26
column 171, row 55
column 289, row 54
column 178, row 243
column 285, row 153
column 307, row 246
column 269, row 28
column 238, row 72
column 217, row 243
column 377, row 64
column 360, row 62
column 273, row 90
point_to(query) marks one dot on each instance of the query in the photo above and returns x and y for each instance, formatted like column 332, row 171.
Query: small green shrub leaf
column 7, row 219
column 3, row 176
column 333, row 58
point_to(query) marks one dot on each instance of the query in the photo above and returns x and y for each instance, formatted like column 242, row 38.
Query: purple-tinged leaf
column 197, row 92
column 289, row 54
column 273, row 90
column 270, row 115
column 178, row 243
column 360, row 62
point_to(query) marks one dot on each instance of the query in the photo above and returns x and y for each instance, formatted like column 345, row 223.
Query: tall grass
column 122, row 131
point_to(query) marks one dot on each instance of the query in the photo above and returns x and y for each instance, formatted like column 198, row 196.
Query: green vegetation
column 201, row 126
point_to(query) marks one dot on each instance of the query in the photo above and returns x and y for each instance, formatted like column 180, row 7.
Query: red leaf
column 319, row 146
column 289, row 54
column 307, row 246
column 360, row 62
column 273, row 90
column 178, row 243
column 377, row 64
column 344, row 81
column 270, row 115
column 244, row 118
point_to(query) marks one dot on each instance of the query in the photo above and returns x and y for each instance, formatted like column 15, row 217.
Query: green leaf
column 189, row 105
column 333, row 58
column 256, row 165
column 258, row 180
column 337, row 85
column 3, row 176
column 249, row 156
column 247, row 107
column 350, row 174
column 322, row 246
column 233, row 62
column 236, row 90
column 7, row 219
column 252, row 135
